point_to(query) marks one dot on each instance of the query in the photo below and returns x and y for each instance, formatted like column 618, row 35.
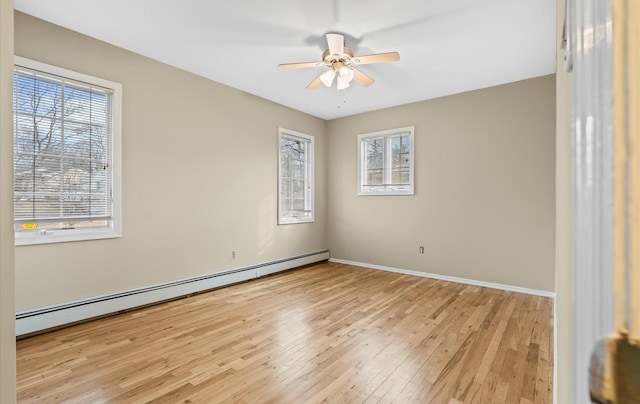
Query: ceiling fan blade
column 336, row 44
column 315, row 83
column 300, row 65
column 361, row 78
column 377, row 58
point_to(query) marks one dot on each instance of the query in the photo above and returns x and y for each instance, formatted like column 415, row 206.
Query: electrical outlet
column 421, row 250
column 233, row 254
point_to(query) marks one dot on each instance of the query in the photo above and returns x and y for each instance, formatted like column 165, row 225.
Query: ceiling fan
column 341, row 61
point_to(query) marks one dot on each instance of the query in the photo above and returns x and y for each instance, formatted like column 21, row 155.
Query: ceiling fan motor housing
column 336, row 61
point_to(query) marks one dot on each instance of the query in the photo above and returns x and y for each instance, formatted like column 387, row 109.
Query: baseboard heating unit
column 44, row 318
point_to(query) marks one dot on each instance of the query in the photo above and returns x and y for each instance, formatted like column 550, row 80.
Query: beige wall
column 484, row 182
column 199, row 164
column 564, row 280
column 7, row 313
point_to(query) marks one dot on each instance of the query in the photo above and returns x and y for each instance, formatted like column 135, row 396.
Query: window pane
column 374, row 163
column 400, row 160
column 298, row 205
column 374, row 177
column 298, row 188
column 37, row 96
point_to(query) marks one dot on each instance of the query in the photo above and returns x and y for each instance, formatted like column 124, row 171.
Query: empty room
column 287, row 201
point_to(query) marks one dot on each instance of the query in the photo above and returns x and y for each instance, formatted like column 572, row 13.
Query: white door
column 604, row 39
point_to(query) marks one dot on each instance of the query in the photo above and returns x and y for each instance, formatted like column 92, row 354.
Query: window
column 66, row 155
column 385, row 165
column 295, row 177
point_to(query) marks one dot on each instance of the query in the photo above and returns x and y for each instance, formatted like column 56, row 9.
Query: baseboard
column 44, row 318
column 474, row 282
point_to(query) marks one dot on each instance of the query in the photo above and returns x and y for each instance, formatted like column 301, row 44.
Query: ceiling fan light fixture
column 342, row 83
column 327, row 77
column 346, row 73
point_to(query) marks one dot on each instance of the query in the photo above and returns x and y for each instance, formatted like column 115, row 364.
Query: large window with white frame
column 295, row 177
column 67, row 131
column 385, row 163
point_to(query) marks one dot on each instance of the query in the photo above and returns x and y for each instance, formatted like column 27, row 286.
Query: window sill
column 63, row 236
column 285, row 222
column 387, row 193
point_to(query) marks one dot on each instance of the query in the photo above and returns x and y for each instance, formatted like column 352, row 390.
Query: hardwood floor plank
column 324, row 333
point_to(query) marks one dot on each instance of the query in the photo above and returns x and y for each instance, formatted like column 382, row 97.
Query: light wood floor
column 327, row 332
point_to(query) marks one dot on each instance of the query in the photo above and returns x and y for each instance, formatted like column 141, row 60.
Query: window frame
column 386, row 135
column 114, row 230
column 309, row 177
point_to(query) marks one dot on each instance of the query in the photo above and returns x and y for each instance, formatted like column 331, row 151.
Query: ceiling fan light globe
column 342, row 83
column 327, row 77
column 346, row 73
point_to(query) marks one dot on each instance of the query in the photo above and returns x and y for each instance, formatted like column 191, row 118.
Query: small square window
column 385, row 163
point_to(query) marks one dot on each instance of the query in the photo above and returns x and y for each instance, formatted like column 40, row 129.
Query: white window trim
column 361, row 160
column 115, row 231
column 310, row 194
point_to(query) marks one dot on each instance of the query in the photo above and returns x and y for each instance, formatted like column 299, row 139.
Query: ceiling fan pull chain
column 344, row 97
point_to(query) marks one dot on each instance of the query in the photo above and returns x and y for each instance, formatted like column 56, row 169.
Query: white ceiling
column 445, row 46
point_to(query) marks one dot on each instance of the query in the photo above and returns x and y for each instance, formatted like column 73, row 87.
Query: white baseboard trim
column 473, row 282
column 40, row 319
